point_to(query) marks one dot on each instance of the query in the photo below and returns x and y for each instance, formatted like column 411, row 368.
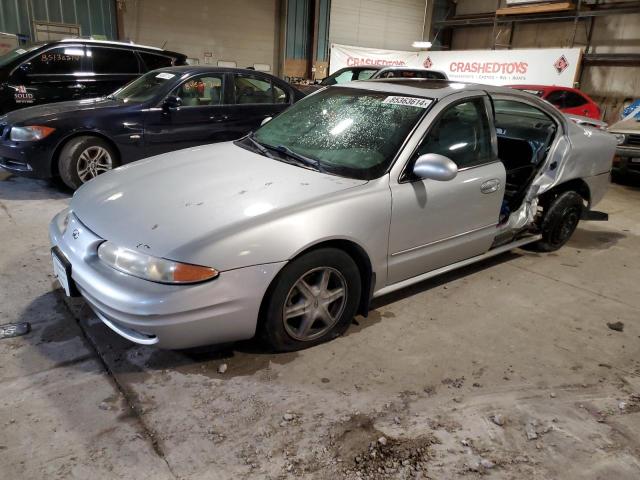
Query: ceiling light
column 421, row 44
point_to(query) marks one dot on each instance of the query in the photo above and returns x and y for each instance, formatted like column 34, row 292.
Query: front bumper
column 627, row 159
column 31, row 159
column 170, row 316
column 627, row 151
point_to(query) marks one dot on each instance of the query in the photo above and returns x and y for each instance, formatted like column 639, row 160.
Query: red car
column 565, row 99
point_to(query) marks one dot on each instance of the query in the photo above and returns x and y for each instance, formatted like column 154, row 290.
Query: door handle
column 490, row 186
column 219, row 118
column 78, row 86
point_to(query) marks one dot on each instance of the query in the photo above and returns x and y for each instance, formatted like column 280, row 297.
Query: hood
column 51, row 111
column 164, row 203
column 630, row 125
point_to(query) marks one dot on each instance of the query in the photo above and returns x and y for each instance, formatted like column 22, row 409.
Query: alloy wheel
column 315, row 304
column 92, row 162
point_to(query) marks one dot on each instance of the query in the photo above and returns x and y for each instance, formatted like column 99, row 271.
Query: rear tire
column 313, row 300
column 84, row 158
column 560, row 220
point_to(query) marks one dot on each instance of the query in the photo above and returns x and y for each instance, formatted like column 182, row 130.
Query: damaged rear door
column 437, row 223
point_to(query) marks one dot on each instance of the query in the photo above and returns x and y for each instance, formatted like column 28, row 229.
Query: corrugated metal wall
column 391, row 24
column 95, row 17
column 324, row 15
column 298, row 28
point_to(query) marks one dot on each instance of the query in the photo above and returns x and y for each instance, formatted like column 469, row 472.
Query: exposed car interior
column 525, row 135
column 200, row 91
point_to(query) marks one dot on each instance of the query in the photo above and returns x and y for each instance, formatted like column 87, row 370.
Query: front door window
column 462, row 134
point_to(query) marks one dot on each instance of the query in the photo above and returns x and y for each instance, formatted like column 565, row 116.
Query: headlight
column 30, row 133
column 620, row 137
column 62, row 220
column 151, row 268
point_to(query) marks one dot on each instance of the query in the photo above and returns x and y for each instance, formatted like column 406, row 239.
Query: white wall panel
column 390, row 24
column 243, row 31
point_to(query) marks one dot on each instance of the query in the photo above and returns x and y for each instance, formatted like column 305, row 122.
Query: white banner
column 348, row 56
column 540, row 66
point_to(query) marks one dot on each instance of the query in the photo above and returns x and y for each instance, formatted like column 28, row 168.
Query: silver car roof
column 435, row 89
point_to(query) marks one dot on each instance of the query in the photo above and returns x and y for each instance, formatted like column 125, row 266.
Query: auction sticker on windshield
column 408, row 101
column 165, row 75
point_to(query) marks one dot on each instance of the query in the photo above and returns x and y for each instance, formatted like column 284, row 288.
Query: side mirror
column 24, row 70
column 172, row 102
column 435, row 167
column 265, row 121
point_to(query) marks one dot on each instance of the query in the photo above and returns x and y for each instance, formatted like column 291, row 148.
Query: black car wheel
column 84, row 158
column 313, row 299
column 560, row 221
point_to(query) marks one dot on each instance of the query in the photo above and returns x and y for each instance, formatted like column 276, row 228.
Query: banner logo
column 561, row 64
column 22, row 95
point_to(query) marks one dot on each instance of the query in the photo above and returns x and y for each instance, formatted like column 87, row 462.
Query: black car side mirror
column 172, row 102
column 24, row 69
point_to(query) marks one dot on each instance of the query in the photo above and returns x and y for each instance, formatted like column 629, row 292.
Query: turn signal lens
column 152, row 268
column 62, row 220
column 30, row 133
column 185, row 273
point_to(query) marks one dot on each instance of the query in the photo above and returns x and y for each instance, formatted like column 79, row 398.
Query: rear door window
column 200, row 91
column 565, row 99
column 106, row 60
column 254, row 90
column 153, row 61
column 58, row 61
column 574, row 100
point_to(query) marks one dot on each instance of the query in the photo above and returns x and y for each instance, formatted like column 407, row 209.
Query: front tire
column 560, row 220
column 84, row 158
column 313, row 300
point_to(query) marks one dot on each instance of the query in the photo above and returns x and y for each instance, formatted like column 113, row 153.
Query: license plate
column 635, row 160
column 62, row 271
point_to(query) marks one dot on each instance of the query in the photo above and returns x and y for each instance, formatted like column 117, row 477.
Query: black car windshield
column 144, row 88
column 10, row 56
column 348, row 132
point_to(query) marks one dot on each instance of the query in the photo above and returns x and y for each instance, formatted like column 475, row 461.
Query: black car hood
column 55, row 110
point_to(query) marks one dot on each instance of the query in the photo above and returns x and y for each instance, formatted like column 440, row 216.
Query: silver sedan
column 354, row 192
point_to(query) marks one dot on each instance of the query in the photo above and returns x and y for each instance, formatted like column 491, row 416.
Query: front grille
column 633, row 140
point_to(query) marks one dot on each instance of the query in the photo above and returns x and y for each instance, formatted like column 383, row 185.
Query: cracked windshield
column 346, row 132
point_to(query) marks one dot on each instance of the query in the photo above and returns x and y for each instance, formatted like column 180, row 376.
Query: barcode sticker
column 408, row 101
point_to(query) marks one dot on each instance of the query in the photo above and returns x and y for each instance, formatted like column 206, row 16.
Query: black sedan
column 166, row 109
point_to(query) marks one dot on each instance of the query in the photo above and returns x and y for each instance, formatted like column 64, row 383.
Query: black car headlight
column 30, row 133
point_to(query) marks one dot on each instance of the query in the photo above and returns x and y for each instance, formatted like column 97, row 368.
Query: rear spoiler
column 587, row 122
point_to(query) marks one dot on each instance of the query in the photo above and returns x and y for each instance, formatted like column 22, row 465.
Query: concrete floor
column 522, row 339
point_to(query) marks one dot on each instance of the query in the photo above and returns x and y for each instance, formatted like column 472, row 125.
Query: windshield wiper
column 301, row 158
column 261, row 148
